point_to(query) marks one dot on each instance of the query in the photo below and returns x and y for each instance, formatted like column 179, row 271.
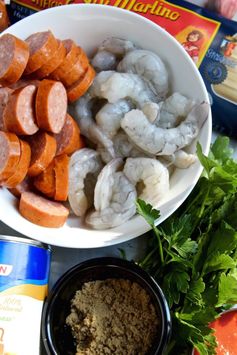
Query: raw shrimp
column 173, row 109
column 149, row 66
column 161, row 141
column 114, row 86
column 104, row 60
column 117, row 46
column 81, row 111
column 114, row 198
column 84, row 167
column 123, row 148
column 181, row 159
column 150, row 176
column 109, row 51
column 109, row 116
column 152, row 111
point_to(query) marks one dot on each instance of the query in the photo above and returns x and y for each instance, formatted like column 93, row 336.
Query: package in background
column 4, row 21
column 209, row 39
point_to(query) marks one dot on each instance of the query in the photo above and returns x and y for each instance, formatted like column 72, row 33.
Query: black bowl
column 57, row 336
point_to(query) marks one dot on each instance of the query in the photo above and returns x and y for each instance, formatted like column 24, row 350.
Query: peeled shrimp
column 104, row 60
column 109, row 116
column 181, row 159
column 81, row 111
column 84, row 167
column 161, row 141
column 149, row 66
column 109, row 51
column 117, row 46
column 123, row 148
column 175, row 107
column 115, row 86
column 114, row 198
column 152, row 175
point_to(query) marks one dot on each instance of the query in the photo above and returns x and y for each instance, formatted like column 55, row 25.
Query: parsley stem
column 157, row 233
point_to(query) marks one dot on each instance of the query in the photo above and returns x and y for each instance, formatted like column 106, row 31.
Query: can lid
column 14, row 239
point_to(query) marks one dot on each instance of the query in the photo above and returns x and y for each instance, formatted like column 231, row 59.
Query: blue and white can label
column 24, row 273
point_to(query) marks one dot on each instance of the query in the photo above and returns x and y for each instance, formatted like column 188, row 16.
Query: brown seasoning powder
column 113, row 316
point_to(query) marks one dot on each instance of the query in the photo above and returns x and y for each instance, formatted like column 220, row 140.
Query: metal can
column 24, row 273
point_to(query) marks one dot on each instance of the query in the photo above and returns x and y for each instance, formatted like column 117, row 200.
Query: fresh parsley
column 193, row 254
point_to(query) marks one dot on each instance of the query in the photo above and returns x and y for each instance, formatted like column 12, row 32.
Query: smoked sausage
column 53, row 63
column 81, row 86
column 43, row 149
column 41, row 211
column 45, row 182
column 19, row 114
column 51, row 105
column 61, row 168
column 72, row 51
column 4, row 96
column 69, row 139
column 77, row 70
column 42, row 47
column 10, row 154
column 22, row 167
column 14, row 54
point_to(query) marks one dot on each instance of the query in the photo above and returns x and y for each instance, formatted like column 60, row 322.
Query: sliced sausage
column 77, row 70
column 51, row 105
column 69, row 139
column 41, row 211
column 14, row 54
column 61, row 168
column 42, row 47
column 25, row 185
column 45, row 182
column 81, row 86
column 53, row 63
column 43, row 149
column 10, row 154
column 24, row 82
column 4, row 20
column 72, row 51
column 22, row 167
column 4, row 96
column 19, row 114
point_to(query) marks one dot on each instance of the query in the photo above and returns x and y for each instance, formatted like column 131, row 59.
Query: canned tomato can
column 24, row 273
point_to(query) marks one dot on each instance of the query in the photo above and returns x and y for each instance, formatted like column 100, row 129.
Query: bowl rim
column 108, row 262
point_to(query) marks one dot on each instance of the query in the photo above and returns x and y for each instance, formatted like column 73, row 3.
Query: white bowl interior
column 88, row 25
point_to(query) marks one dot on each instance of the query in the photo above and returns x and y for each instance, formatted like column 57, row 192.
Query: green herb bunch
column 193, row 254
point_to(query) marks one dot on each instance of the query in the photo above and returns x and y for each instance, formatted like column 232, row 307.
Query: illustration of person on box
column 192, row 44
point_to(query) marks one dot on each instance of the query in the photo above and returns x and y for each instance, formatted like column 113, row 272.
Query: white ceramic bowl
column 88, row 25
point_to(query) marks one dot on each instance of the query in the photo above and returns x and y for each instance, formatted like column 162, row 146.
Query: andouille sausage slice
column 25, row 185
column 41, row 211
column 69, row 139
column 42, row 47
column 10, row 154
column 53, row 63
column 4, row 96
column 72, row 51
column 14, row 54
column 61, row 168
column 51, row 105
column 43, row 149
column 19, row 114
column 24, row 82
column 45, row 182
column 81, row 86
column 22, row 167
column 77, row 70
column 4, row 20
